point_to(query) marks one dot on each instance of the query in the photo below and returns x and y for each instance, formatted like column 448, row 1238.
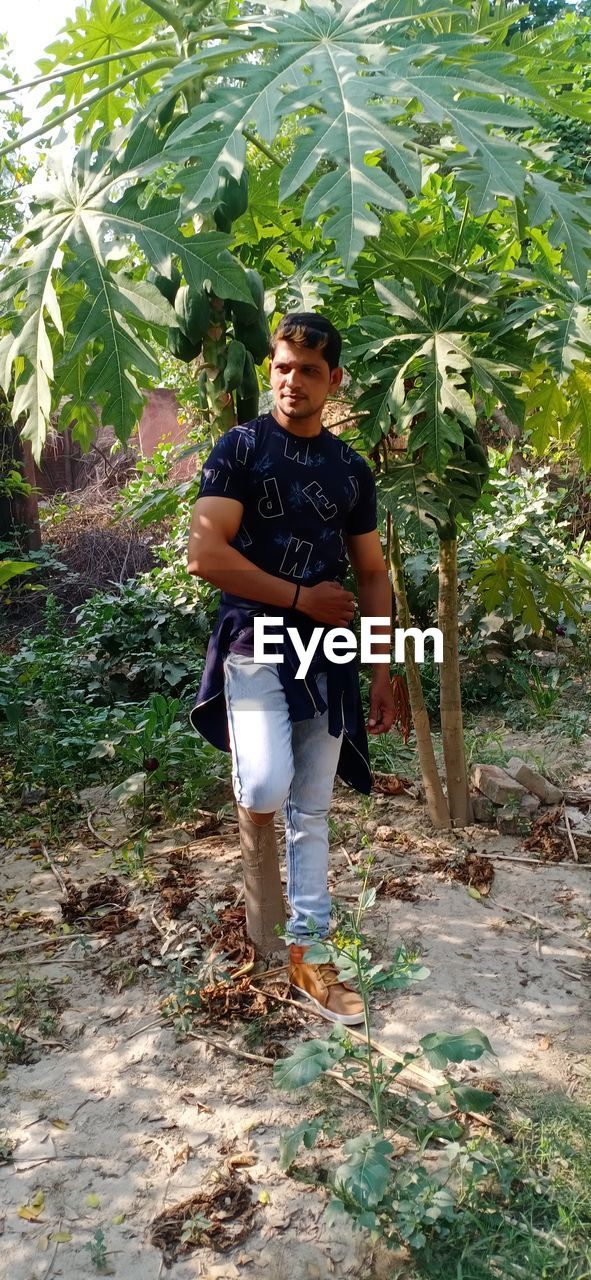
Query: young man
column 281, row 503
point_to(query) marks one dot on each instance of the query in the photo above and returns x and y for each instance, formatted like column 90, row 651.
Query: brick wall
column 64, row 467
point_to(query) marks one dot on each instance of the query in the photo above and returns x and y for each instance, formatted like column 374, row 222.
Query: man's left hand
column 381, row 702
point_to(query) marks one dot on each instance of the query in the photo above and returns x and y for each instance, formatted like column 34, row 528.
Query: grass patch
column 530, row 1215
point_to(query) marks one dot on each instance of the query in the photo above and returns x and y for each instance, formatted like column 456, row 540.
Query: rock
column 484, row 810
column 385, row 835
column 33, row 795
column 547, row 660
column 92, row 797
column 513, row 818
column 496, row 784
column 535, row 782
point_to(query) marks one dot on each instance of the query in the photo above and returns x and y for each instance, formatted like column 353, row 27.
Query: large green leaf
column 354, row 83
column 578, row 419
column 13, row 568
column 347, row 74
column 106, row 33
column 76, row 216
column 308, row 1062
column 366, row 1171
column 440, row 402
column 529, row 592
column 291, row 1140
column 430, row 394
column 568, row 213
column 546, row 406
column 421, row 501
column 442, row 1047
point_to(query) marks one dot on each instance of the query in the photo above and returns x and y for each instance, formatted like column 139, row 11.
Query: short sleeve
column 225, row 471
column 362, row 516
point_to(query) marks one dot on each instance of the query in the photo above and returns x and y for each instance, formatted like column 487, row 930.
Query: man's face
column 301, row 380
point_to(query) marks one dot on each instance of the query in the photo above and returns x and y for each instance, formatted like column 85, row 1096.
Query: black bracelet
column 295, row 599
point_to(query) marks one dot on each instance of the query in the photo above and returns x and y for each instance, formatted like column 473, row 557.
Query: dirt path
column 115, row 1117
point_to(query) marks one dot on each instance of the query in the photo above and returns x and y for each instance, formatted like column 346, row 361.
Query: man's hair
column 306, row 329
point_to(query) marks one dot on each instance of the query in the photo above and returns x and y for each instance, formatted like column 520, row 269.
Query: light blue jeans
column 280, row 763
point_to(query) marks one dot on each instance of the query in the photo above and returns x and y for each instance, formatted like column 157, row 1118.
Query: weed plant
column 482, row 1206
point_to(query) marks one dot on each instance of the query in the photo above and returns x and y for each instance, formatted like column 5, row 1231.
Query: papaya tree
column 136, row 228
column 170, row 100
column 455, row 333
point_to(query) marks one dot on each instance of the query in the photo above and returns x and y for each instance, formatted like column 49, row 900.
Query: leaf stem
column 168, row 13
column 59, row 72
column 261, row 146
column 376, row 1103
column 87, row 102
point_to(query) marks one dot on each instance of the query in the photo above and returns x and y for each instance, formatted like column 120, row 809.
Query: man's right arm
column 215, row 523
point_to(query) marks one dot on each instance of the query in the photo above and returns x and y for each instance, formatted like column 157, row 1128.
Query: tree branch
column 87, row 102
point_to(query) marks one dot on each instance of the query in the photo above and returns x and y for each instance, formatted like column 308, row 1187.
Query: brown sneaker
column 320, row 983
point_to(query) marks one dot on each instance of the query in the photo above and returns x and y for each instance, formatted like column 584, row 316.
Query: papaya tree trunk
column 19, row 511
column 434, row 794
column 450, row 700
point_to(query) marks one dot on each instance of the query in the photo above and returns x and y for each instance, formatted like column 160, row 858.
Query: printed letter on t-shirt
column 242, row 447
column 271, row 505
column 320, row 501
column 296, row 557
column 297, row 450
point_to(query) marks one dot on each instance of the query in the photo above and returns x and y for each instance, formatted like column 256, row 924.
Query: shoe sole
column 348, row 1019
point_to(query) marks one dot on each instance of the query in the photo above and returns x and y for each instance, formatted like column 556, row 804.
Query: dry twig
column 569, row 833
column 544, row 924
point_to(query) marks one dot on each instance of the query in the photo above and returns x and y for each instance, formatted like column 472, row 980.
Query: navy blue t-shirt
column 301, row 496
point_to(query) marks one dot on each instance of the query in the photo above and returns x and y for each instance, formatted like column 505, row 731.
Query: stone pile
column 510, row 798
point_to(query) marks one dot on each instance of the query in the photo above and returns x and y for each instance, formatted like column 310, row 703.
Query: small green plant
column 98, row 1252
column 394, row 1203
column 14, row 1047
column 7, row 1145
column 129, row 861
column 543, row 693
column 188, row 971
column 193, row 1228
column 484, row 747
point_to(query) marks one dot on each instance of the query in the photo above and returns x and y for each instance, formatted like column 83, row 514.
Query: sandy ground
column 114, row 1117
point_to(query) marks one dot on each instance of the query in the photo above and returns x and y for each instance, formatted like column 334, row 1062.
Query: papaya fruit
column 202, row 390
column 475, row 453
column 234, row 370
column 247, row 400
column 167, row 111
column 257, row 288
column 256, row 338
column 232, row 199
column 181, row 346
column 248, row 313
column 168, row 286
column 250, row 321
column 192, row 309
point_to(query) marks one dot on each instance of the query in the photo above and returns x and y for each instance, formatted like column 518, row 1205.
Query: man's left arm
column 374, row 594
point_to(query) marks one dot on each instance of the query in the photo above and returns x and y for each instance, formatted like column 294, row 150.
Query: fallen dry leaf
column 181, row 1156
column 241, row 1160
column 30, row 1212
